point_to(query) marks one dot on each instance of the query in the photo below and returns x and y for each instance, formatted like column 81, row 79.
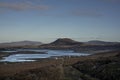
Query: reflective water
column 31, row 57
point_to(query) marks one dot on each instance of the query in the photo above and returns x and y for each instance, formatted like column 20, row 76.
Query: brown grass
column 46, row 69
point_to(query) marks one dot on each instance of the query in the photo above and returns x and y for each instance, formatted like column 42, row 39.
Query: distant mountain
column 20, row 43
column 61, row 43
column 98, row 42
column 65, row 41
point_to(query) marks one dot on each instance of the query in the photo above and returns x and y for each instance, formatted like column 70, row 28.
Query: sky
column 47, row 20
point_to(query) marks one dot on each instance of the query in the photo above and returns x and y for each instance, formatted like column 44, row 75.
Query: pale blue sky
column 47, row 20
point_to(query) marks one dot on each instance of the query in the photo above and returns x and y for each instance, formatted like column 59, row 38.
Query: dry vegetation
column 101, row 66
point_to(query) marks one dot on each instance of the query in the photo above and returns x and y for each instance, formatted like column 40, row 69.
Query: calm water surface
column 31, row 57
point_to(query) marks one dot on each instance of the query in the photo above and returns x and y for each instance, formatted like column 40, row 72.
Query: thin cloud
column 22, row 6
column 88, row 13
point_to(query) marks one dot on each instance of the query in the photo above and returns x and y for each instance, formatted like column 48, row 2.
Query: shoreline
column 10, row 70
